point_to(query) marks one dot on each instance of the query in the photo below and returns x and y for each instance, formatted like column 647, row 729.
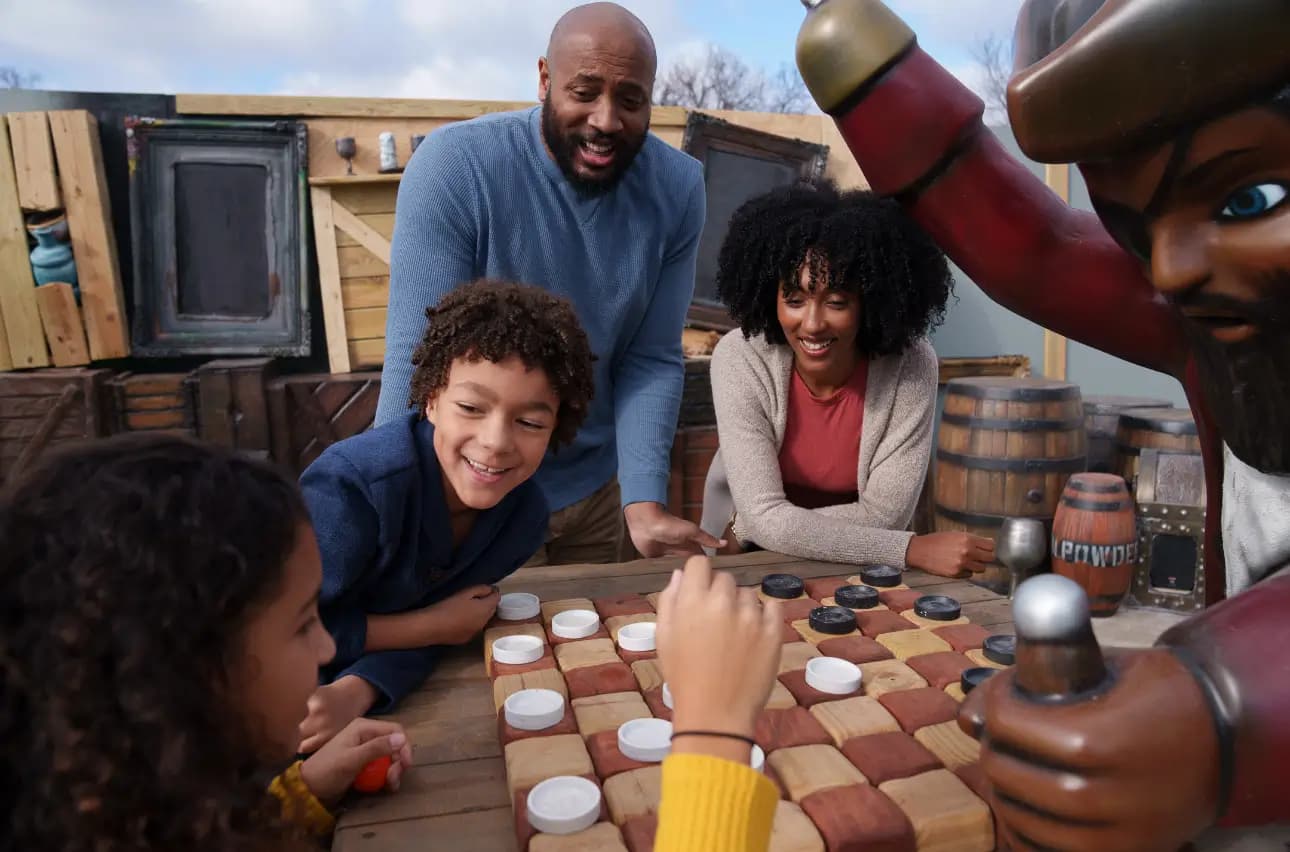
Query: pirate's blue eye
column 1253, row 201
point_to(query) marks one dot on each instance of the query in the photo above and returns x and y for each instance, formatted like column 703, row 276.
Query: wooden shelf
column 346, row 180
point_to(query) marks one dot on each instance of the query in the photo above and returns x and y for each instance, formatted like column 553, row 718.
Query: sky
column 468, row 49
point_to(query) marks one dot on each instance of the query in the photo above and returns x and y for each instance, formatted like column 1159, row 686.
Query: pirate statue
column 1177, row 113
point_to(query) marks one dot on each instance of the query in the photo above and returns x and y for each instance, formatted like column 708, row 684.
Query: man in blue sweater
column 577, row 197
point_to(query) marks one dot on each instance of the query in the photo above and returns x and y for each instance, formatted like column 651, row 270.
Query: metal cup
column 1022, row 546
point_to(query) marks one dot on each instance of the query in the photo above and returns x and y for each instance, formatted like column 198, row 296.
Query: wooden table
column 455, row 796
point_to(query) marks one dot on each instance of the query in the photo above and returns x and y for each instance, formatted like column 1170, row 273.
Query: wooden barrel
column 1095, row 539
column 1101, row 419
column 1155, row 428
column 1004, row 450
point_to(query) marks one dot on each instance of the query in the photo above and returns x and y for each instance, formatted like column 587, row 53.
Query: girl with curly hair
column 159, row 639
column 825, row 394
column 419, row 518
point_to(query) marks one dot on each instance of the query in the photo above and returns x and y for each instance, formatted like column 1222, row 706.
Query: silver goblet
column 1022, row 545
column 346, row 148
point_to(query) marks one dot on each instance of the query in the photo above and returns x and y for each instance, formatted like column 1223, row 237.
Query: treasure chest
column 1170, row 573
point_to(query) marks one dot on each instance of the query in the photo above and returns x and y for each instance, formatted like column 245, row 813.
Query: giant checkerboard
column 886, row 768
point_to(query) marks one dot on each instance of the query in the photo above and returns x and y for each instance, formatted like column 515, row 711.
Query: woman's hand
column 950, row 554
column 719, row 650
column 331, row 770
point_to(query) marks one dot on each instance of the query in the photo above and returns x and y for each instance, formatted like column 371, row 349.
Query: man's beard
column 564, row 147
column 1247, row 384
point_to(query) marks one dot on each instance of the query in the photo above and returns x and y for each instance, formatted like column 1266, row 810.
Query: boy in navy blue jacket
column 417, row 519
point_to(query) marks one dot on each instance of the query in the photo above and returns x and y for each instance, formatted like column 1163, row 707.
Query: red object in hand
column 371, row 778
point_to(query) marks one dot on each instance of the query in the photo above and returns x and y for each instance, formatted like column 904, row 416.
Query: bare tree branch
column 994, row 56
column 718, row 79
column 12, row 78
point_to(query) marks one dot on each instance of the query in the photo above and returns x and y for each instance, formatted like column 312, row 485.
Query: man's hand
column 656, row 533
column 1134, row 769
column 329, row 772
column 459, row 617
column 332, row 707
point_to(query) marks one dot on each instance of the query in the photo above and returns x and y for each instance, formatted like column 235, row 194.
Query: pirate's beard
column 1247, row 384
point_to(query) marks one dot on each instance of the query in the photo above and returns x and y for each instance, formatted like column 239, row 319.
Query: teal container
column 51, row 259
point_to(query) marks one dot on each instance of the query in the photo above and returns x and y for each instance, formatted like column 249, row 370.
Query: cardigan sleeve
column 750, row 451
column 899, row 467
column 299, row 805
column 710, row 804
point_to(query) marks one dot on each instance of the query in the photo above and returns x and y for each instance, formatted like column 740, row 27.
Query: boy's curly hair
column 494, row 320
column 130, row 567
column 855, row 242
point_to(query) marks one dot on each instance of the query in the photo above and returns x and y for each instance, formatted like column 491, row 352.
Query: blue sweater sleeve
column 347, row 527
column 649, row 378
column 432, row 251
column 394, row 673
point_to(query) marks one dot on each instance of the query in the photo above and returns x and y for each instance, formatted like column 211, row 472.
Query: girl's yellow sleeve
column 714, row 805
column 300, row 805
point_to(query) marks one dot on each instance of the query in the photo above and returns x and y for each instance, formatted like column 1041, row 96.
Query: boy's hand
column 655, row 532
column 457, row 618
column 719, row 649
column 332, row 708
column 331, row 770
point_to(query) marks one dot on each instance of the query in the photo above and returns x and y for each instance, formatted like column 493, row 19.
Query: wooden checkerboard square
column 609, row 761
column 654, row 701
column 797, row 609
column 597, row 713
column 904, row 644
column 953, row 747
column 810, row 634
column 890, row 755
column 857, row 580
column 899, row 600
column 793, row 831
column 853, row 717
column 600, row 680
column 876, row 622
column 918, row 708
column 628, row 604
column 546, row 661
column 507, row 685
column 955, row 691
column 507, row 734
column 601, row 837
column 634, row 794
column 932, row 623
column 963, row 637
column 824, row 587
column 978, row 658
column 946, row 815
column 805, row 694
column 780, row 698
column 858, row 818
column 617, row 622
column 855, row 648
column 638, row 832
column 793, row 656
column 648, row 674
column 551, row 608
column 585, row 652
column 888, row 676
column 531, row 761
column 492, row 634
column 787, row 633
column 793, row 726
column 602, row 633
column 807, row 769
column 524, row 831
column 940, row 670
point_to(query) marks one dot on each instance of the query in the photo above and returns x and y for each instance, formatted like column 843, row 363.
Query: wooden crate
column 43, row 409
column 232, row 404
column 153, row 402
column 696, row 395
column 310, row 413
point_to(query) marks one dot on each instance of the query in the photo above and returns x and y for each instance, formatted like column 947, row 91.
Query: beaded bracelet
column 721, row 734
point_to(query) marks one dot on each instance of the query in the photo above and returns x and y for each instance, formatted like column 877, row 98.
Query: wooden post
column 33, row 160
column 329, row 280
column 25, row 339
column 63, row 329
column 89, row 218
column 1058, row 178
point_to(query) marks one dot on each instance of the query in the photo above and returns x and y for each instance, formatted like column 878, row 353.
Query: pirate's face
column 1207, row 215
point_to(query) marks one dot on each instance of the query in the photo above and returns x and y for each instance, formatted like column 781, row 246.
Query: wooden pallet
column 310, row 413
column 44, row 409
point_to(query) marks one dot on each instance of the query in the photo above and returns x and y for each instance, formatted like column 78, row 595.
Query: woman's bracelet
column 721, row 734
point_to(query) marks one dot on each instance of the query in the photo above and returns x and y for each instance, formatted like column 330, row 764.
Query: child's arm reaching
column 713, row 801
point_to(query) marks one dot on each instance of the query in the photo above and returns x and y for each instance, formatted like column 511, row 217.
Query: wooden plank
column 382, row 223
column 366, row 198
column 437, row 790
column 370, row 292
column 62, row 320
column 363, row 233
column 349, row 180
column 89, row 218
column 1058, row 178
column 479, row 831
column 366, row 353
column 338, row 359
column 33, row 161
column 308, row 106
column 18, row 308
column 356, row 261
column 361, row 323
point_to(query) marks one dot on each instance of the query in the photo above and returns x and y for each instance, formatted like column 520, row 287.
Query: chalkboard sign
column 739, row 164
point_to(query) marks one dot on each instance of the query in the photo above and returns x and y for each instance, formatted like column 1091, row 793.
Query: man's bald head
column 604, row 25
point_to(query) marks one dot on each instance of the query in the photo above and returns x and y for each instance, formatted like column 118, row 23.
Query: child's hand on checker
column 330, row 771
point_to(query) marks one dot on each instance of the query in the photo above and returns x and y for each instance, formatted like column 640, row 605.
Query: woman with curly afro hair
column 825, row 394
column 419, row 518
column 159, row 638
